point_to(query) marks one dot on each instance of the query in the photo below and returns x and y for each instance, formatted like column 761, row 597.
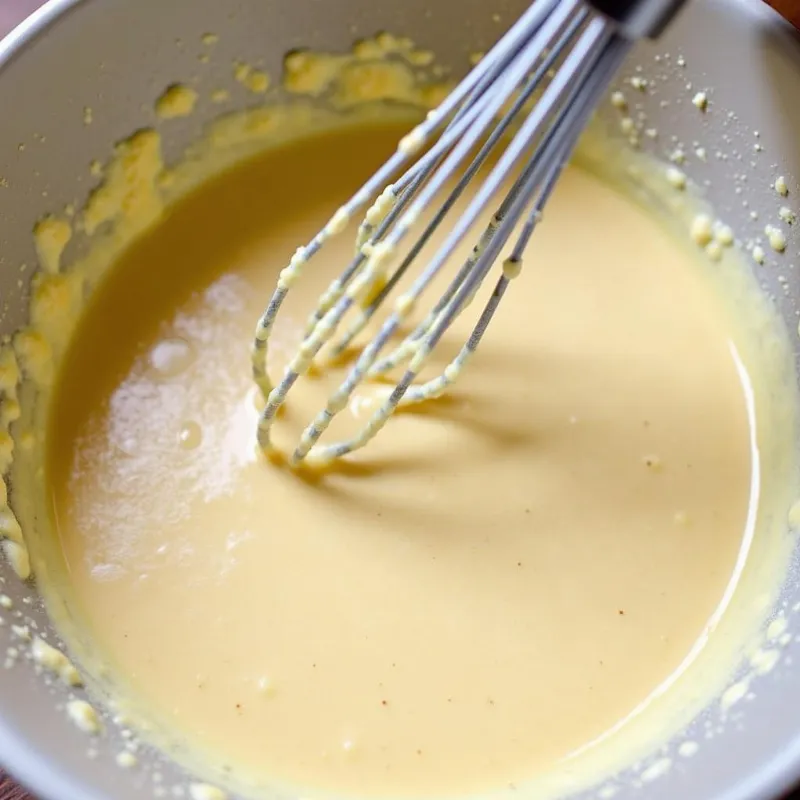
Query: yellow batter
column 498, row 580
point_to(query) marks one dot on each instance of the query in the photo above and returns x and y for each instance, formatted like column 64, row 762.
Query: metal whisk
column 530, row 97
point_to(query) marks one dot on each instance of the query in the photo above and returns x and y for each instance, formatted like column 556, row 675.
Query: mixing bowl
column 115, row 57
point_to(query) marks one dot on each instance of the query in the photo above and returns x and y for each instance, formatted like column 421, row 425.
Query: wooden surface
column 790, row 9
column 11, row 12
column 10, row 791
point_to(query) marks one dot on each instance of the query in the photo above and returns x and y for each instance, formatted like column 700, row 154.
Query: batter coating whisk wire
column 524, row 105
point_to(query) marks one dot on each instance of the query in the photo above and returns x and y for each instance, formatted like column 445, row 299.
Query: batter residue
column 503, row 577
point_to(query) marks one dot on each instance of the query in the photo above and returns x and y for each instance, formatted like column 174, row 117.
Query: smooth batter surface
column 496, row 581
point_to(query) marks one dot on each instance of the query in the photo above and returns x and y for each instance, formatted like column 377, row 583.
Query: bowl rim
column 24, row 760
column 775, row 778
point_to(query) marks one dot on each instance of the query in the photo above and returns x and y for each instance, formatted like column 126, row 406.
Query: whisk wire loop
column 493, row 101
column 473, row 86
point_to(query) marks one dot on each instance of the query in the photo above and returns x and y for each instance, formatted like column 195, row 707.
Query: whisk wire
column 473, row 85
column 371, row 269
column 491, row 99
column 525, row 94
column 572, row 123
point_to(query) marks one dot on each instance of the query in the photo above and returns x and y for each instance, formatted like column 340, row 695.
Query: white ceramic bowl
column 116, row 55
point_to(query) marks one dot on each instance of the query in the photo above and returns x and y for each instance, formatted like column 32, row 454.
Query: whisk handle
column 639, row 19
